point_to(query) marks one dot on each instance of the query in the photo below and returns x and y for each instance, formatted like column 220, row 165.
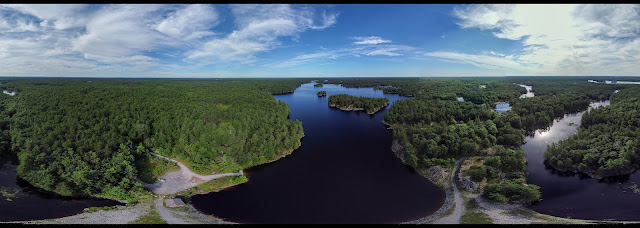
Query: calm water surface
column 574, row 195
column 19, row 201
column 344, row 172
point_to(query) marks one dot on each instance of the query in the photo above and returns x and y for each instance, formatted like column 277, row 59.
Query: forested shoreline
column 93, row 137
column 352, row 103
column 608, row 140
column 434, row 129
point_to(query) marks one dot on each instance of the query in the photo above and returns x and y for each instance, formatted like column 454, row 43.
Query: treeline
column 7, row 109
column 348, row 102
column 608, row 140
column 78, row 137
column 322, row 93
column 554, row 97
column 476, row 90
column 434, row 129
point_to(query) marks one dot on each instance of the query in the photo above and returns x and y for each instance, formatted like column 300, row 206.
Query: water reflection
column 565, row 194
column 344, row 172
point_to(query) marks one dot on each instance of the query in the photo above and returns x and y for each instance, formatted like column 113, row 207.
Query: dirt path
column 182, row 179
column 458, row 209
column 165, row 214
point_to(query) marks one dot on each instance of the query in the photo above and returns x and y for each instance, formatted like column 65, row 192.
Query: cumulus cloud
column 260, row 28
column 559, row 39
column 89, row 38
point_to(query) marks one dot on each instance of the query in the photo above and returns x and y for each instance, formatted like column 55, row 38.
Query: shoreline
column 350, row 108
column 592, row 174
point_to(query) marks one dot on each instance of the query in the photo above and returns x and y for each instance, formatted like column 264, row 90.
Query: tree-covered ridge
column 414, row 111
column 348, row 102
column 322, row 93
column 476, row 90
column 77, row 137
column 608, row 140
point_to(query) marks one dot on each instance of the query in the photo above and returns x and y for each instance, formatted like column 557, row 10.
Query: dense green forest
column 93, row 137
column 505, row 175
column 348, row 102
column 608, row 139
column 434, row 128
column 7, row 109
column 80, row 137
column 322, row 93
column 555, row 97
column 476, row 90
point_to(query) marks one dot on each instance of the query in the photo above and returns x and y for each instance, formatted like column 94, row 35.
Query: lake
column 575, row 195
column 344, row 172
column 20, row 201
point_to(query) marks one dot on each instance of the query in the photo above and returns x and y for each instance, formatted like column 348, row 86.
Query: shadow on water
column 344, row 172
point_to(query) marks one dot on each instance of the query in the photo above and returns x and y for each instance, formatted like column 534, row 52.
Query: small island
column 322, row 93
column 318, row 85
column 346, row 102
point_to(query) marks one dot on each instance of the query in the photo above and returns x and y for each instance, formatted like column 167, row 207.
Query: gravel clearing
column 121, row 215
column 182, row 179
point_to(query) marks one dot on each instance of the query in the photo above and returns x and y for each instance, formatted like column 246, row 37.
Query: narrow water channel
column 344, row 172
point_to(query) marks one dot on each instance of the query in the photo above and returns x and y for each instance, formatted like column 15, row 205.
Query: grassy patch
column 472, row 215
column 94, row 209
column 151, row 218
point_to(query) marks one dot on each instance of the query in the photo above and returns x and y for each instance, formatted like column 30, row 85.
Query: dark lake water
column 19, row 201
column 344, row 172
column 574, row 195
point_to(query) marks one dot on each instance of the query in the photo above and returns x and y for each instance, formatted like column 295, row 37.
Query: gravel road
column 182, row 179
column 458, row 209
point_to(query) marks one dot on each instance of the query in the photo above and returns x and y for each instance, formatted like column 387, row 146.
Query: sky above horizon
column 319, row 40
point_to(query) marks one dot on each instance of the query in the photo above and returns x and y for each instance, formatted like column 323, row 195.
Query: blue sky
column 318, row 40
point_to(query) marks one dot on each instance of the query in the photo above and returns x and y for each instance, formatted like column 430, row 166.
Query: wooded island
column 352, row 103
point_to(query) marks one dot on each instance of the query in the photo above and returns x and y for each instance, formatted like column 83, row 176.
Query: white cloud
column 191, row 22
column 259, row 29
column 63, row 16
column 559, row 39
column 370, row 40
column 117, row 31
column 76, row 39
column 358, row 51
